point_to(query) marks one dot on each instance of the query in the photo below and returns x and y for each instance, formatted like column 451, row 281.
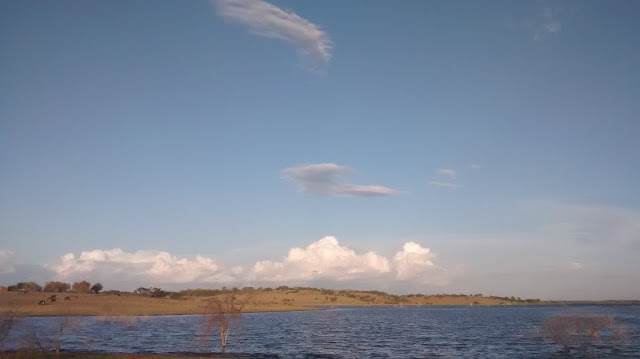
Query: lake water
column 353, row 332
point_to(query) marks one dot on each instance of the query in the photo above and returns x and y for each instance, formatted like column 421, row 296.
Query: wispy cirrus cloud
column 446, row 173
column 444, row 184
column 592, row 223
column 548, row 20
column 264, row 19
column 324, row 179
column 575, row 266
column 444, row 177
column 545, row 24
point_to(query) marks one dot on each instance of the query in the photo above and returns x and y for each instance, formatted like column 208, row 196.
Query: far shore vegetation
column 82, row 298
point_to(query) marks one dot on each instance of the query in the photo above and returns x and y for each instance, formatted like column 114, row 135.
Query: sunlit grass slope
column 193, row 301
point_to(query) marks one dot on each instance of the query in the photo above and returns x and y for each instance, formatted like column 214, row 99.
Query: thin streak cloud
column 575, row 266
column 446, row 173
column 589, row 224
column 444, row 177
column 444, row 184
column 325, row 179
column 264, row 19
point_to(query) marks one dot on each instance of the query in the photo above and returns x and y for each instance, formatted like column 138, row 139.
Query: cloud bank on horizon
column 325, row 179
column 576, row 231
column 264, row 19
column 325, row 260
column 6, row 261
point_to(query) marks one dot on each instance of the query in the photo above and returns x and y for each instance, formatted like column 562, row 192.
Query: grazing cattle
column 53, row 300
column 53, row 297
column 67, row 298
column 42, row 302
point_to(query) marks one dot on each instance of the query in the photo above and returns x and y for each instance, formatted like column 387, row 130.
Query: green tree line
column 57, row 287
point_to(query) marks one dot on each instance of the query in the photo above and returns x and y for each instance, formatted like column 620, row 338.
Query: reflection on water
column 384, row 332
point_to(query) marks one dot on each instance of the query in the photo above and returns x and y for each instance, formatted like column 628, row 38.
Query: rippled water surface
column 362, row 332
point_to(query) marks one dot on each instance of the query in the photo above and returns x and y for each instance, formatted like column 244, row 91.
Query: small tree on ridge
column 81, row 287
column 56, row 287
column 96, row 288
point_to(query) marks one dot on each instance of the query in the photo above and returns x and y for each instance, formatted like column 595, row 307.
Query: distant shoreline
column 110, row 306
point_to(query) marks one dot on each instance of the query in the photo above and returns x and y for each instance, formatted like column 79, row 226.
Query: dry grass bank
column 288, row 299
column 123, row 305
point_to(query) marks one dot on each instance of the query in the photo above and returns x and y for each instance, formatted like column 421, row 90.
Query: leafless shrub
column 9, row 319
column 582, row 331
column 105, row 318
column 107, row 315
column 129, row 322
column 51, row 339
column 221, row 313
column 63, row 326
column 32, row 343
column 618, row 334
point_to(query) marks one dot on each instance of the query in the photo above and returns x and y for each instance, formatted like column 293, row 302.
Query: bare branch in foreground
column 9, row 319
column 222, row 312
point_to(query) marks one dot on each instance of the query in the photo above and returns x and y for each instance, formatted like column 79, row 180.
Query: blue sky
column 411, row 147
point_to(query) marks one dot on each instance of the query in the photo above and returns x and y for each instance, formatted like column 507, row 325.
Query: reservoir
column 346, row 332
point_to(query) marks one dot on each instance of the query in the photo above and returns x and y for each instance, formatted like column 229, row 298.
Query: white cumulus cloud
column 267, row 20
column 413, row 261
column 7, row 259
column 325, row 179
column 144, row 265
column 327, row 260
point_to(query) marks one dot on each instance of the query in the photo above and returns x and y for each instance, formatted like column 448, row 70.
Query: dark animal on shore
column 67, row 298
column 53, row 300
column 26, row 291
column 42, row 302
column 53, row 297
